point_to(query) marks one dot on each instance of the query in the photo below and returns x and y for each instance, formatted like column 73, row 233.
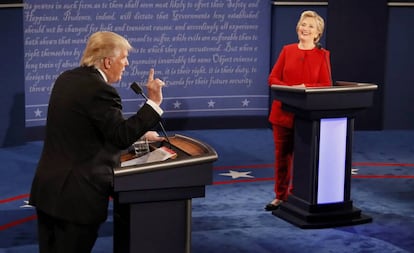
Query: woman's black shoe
column 272, row 207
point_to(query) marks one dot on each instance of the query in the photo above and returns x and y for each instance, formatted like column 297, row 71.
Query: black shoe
column 272, row 207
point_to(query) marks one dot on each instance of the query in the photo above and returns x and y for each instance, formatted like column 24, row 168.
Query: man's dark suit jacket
column 85, row 133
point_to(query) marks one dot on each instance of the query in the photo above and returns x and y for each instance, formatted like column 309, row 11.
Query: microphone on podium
column 138, row 90
column 319, row 46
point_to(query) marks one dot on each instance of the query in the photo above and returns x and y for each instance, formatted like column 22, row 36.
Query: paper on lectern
column 159, row 154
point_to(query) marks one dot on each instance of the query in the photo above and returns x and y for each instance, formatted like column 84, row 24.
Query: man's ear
column 107, row 63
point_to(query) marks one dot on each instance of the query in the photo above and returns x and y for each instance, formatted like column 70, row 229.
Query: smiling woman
column 304, row 64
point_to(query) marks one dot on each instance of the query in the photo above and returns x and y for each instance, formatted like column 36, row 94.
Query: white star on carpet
column 354, row 171
column 26, row 205
column 237, row 174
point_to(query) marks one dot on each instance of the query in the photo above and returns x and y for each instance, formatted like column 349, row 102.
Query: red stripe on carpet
column 18, row 222
column 260, row 166
column 23, row 196
column 383, row 176
column 271, row 179
column 383, row 164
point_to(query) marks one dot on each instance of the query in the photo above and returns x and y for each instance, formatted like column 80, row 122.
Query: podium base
column 321, row 216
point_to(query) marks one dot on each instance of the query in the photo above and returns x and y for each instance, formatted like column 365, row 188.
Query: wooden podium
column 323, row 132
column 152, row 203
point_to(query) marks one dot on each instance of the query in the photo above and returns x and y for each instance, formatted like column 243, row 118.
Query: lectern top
column 340, row 86
column 190, row 152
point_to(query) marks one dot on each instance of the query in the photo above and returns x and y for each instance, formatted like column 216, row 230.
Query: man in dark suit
column 85, row 134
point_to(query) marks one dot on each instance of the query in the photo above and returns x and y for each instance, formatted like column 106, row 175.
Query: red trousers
column 283, row 140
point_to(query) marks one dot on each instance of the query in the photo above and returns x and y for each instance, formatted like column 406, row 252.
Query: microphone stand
column 319, row 46
column 138, row 90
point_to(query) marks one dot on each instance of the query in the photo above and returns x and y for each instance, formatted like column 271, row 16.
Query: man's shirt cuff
column 155, row 107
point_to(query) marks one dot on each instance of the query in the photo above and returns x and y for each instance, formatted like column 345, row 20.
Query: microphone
column 318, row 45
column 138, row 90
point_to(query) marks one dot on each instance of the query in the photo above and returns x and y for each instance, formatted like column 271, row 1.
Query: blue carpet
column 231, row 217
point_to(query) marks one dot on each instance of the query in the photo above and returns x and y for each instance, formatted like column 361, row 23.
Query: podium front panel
column 332, row 157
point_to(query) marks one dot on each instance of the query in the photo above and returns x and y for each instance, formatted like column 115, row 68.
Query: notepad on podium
column 160, row 154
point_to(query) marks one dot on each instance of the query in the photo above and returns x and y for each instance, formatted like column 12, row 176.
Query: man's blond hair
column 101, row 45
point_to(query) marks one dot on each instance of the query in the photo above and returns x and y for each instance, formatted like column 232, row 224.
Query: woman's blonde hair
column 101, row 45
column 320, row 24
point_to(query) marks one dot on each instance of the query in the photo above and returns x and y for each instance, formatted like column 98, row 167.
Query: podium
column 152, row 203
column 322, row 160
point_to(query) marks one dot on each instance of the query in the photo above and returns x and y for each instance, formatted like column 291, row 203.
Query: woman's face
column 307, row 30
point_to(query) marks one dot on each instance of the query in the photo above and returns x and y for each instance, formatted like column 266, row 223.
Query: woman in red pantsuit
column 302, row 64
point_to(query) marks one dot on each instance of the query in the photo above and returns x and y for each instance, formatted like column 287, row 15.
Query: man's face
column 115, row 66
